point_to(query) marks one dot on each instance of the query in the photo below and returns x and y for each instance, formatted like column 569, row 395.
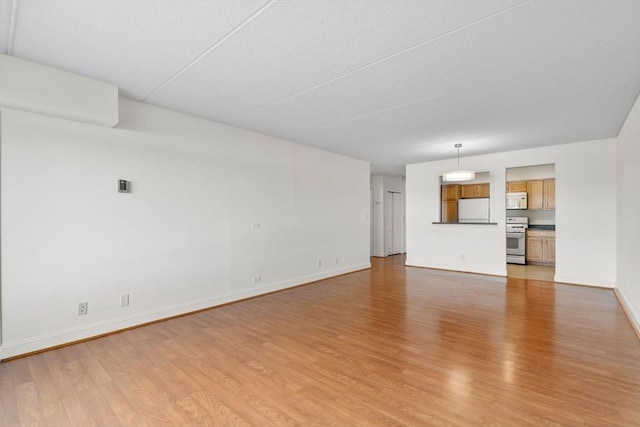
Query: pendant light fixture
column 458, row 175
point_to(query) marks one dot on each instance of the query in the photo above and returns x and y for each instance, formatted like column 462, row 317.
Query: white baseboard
column 456, row 268
column 580, row 281
column 632, row 315
column 33, row 344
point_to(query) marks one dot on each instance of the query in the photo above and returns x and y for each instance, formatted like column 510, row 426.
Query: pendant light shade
column 458, row 175
column 454, row 176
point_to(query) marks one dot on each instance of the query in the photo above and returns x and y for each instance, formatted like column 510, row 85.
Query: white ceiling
column 391, row 82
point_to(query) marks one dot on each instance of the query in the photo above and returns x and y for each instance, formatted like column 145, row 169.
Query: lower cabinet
column 449, row 211
column 541, row 246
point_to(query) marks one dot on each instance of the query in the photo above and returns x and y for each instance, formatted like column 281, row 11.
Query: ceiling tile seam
column 388, row 58
column 12, row 26
column 210, row 48
column 510, row 76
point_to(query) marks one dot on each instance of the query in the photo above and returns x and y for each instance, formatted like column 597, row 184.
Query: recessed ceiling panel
column 136, row 45
column 296, row 45
column 585, row 77
column 538, row 36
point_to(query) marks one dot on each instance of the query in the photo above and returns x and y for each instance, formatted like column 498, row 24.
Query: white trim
column 422, row 264
column 578, row 281
column 632, row 315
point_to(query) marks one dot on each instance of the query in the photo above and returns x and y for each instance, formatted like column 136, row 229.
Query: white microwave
column 516, row 200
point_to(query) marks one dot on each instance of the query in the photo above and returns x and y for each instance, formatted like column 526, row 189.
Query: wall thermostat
column 124, row 186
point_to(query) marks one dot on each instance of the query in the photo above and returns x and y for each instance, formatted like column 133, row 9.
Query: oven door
column 515, row 243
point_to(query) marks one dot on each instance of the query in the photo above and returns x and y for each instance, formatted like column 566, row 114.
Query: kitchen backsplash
column 536, row 217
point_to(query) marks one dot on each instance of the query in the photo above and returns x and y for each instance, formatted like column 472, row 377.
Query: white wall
column 380, row 184
column 182, row 239
column 527, row 173
column 585, row 214
column 628, row 167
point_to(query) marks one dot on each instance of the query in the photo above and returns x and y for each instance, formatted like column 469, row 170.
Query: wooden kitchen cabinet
column 535, row 190
column 483, row 190
column 517, row 187
column 449, row 202
column 549, row 249
column 449, row 211
column 450, row 192
column 534, row 248
column 541, row 194
column 474, row 191
column 541, row 246
column 549, row 194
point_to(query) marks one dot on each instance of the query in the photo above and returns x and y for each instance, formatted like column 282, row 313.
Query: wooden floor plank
column 220, row 413
column 393, row 345
column 9, row 415
column 122, row 407
column 28, row 404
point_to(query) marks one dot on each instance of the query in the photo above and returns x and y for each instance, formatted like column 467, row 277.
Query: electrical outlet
column 83, row 307
column 336, row 260
column 257, row 279
column 124, row 300
column 255, row 225
column 319, row 263
column 462, row 257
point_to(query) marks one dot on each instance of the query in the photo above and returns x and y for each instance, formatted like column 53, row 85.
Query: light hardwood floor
column 531, row 272
column 393, row 345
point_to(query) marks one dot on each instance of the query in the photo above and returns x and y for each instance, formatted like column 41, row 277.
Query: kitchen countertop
column 542, row 227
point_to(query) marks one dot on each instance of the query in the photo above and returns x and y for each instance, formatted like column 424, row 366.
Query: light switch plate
column 124, row 186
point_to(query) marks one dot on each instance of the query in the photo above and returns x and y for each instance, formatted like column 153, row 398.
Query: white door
column 393, row 222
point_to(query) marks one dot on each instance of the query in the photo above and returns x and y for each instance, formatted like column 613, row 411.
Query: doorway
column 530, row 209
column 393, row 223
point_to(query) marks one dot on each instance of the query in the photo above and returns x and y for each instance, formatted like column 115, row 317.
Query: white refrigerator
column 473, row 210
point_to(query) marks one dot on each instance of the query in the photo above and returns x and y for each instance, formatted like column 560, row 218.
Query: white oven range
column 516, row 239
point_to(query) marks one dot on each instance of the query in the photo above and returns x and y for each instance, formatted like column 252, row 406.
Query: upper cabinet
column 474, row 191
column 517, row 187
column 534, row 195
column 549, row 194
column 541, row 194
column 450, row 192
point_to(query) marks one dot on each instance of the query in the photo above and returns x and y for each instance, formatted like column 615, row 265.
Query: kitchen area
column 466, row 202
column 530, row 222
column 530, row 216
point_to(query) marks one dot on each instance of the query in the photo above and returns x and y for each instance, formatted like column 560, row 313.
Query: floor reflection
column 533, row 272
column 530, row 332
